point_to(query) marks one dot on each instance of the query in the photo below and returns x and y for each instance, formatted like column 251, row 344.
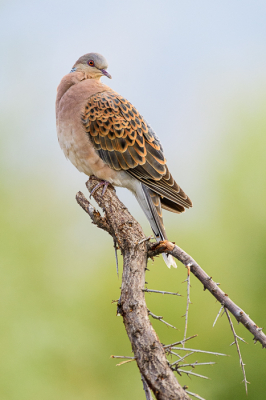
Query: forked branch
column 148, row 351
column 210, row 285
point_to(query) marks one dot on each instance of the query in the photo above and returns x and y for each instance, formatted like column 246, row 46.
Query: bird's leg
column 102, row 183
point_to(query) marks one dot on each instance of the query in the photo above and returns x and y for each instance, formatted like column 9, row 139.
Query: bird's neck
column 83, row 85
column 72, row 79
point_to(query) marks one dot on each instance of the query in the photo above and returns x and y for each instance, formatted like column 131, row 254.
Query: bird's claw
column 102, row 183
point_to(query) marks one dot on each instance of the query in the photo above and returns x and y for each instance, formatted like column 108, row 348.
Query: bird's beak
column 106, row 73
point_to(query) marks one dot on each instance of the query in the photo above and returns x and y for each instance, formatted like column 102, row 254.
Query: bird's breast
column 73, row 138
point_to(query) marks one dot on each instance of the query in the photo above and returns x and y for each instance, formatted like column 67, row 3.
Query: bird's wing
column 125, row 141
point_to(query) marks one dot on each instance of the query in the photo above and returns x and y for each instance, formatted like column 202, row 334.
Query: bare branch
column 195, row 364
column 210, row 285
column 180, row 371
column 94, row 214
column 148, row 351
column 238, row 350
column 160, row 319
column 180, row 358
column 180, row 342
column 146, row 239
column 160, row 291
column 146, row 388
column 199, row 351
column 128, row 358
column 195, row 395
column 116, row 259
column 124, row 362
column 168, row 351
column 239, row 338
column 135, row 247
column 188, row 302
column 219, row 312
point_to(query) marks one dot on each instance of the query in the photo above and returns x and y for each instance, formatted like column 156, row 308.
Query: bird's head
column 94, row 66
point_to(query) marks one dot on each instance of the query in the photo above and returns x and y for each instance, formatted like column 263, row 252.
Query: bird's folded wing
column 125, row 141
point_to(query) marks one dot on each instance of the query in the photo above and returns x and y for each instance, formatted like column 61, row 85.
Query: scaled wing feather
column 125, row 141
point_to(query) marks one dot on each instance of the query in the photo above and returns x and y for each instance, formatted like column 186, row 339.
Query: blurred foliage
column 58, row 278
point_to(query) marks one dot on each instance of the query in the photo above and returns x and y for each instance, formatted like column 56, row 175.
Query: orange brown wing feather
column 125, row 141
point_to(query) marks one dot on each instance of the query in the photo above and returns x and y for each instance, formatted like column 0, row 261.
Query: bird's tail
column 151, row 205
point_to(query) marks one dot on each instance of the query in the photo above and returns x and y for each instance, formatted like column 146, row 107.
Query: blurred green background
column 197, row 73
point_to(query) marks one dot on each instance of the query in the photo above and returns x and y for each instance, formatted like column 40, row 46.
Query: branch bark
column 148, row 350
column 211, row 286
column 128, row 234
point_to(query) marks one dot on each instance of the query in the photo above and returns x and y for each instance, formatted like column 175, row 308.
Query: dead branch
column 209, row 284
column 148, row 351
column 160, row 291
column 146, row 388
column 236, row 337
column 188, row 302
column 160, row 318
column 135, row 248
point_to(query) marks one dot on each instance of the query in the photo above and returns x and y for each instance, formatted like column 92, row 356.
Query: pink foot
column 102, row 183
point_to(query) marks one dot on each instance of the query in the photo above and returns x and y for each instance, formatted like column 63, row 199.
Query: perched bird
column 104, row 135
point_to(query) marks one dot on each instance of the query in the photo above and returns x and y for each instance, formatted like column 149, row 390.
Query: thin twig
column 160, row 318
column 238, row 350
column 96, row 218
column 199, row 351
column 116, row 258
column 239, row 338
column 125, row 362
column 146, row 239
column 174, row 354
column 182, row 358
column 195, row 364
column 122, row 226
column 194, row 395
column 188, row 302
column 190, row 373
column 210, row 285
column 131, row 305
column 146, row 388
column 159, row 291
column 180, row 342
column 221, row 309
column 128, row 358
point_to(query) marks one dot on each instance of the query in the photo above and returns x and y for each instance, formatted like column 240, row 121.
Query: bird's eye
column 90, row 63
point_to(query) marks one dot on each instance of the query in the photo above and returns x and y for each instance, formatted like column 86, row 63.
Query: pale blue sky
column 183, row 64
